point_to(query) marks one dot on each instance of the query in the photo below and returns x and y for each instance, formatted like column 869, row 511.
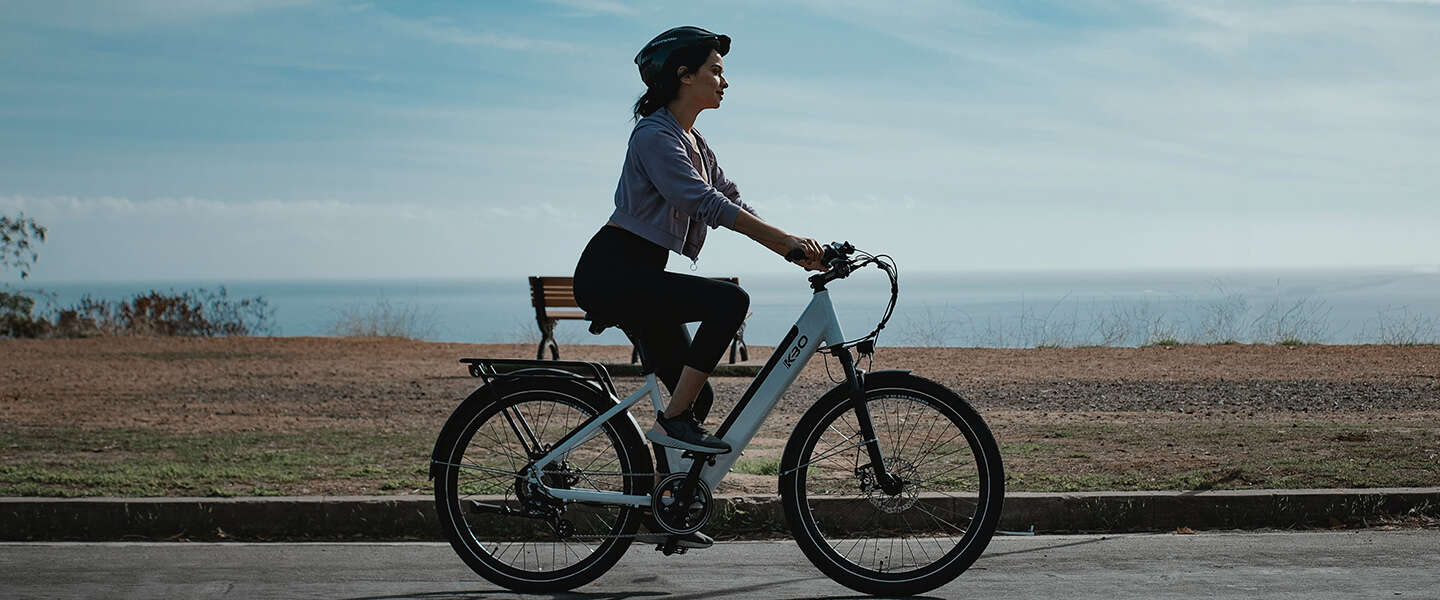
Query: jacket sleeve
column 668, row 166
column 727, row 187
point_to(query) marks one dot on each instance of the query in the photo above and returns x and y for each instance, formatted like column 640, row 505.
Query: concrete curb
column 413, row 517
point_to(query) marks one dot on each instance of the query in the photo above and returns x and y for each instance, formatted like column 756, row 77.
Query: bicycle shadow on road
column 1044, row 548
column 491, row 593
column 749, row 591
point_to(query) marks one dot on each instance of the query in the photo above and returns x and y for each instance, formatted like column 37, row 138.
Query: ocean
column 988, row 309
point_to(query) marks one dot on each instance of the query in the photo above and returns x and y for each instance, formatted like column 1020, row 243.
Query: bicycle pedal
column 692, row 455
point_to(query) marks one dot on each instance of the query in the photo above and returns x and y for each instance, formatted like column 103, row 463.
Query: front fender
column 843, row 388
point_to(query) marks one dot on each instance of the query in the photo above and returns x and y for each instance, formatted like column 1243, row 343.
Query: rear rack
column 511, row 369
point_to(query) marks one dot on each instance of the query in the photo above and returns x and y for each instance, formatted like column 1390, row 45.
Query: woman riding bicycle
column 670, row 190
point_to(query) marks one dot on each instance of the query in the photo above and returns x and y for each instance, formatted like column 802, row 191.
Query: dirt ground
column 1053, row 410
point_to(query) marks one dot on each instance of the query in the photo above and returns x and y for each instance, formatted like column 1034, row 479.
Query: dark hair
column 667, row 83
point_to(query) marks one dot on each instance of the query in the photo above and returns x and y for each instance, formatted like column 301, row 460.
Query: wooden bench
column 551, row 295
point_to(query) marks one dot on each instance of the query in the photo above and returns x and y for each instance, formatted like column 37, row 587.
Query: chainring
column 678, row 520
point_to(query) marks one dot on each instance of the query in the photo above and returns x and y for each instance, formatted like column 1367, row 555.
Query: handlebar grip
column 795, row 255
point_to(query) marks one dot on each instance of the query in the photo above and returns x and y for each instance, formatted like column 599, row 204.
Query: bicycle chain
column 498, row 471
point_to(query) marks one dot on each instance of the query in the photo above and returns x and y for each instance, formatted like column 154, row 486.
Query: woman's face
column 705, row 88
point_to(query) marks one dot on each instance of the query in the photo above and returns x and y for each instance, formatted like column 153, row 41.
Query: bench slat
column 565, row 314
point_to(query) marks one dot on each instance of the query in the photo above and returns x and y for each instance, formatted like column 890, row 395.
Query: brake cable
column 866, row 343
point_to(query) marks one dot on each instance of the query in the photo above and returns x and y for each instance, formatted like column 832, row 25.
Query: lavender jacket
column 661, row 196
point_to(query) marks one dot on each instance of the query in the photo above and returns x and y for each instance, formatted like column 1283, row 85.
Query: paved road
column 1366, row 564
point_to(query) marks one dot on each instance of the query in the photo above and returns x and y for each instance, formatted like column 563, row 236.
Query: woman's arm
column 778, row 241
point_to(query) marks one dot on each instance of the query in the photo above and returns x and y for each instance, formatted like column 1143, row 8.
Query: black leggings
column 621, row 277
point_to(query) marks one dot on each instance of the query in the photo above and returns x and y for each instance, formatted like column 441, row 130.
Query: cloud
column 444, row 30
column 1416, row 2
column 128, row 15
column 586, row 8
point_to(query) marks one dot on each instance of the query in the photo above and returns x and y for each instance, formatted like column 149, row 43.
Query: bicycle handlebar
column 833, row 251
column 837, row 261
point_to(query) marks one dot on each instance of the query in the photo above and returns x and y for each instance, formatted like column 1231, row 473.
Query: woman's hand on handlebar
column 805, row 252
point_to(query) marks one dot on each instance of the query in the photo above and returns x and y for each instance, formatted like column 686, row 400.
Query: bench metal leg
column 739, row 344
column 547, row 338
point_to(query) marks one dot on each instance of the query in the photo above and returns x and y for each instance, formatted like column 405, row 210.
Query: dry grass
column 188, row 416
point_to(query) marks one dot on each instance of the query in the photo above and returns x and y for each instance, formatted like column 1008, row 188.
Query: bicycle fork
column 889, row 483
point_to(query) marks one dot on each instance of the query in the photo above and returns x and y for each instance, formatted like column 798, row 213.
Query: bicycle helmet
column 653, row 56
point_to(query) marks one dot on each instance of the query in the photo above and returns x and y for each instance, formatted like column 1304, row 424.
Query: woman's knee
column 738, row 300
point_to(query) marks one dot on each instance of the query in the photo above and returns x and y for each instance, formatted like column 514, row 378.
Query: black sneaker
column 684, row 432
column 693, row 541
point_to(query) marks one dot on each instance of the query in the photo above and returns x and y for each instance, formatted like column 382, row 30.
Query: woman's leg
column 665, row 347
column 692, row 380
column 719, row 306
column 622, row 277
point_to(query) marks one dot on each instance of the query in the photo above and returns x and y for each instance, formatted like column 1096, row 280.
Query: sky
column 295, row 139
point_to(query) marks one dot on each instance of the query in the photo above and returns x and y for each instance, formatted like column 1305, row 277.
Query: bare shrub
column 929, row 328
column 1050, row 331
column 16, row 319
column 524, row 331
column 1222, row 321
column 246, row 316
column 1140, row 324
column 200, row 312
column 990, row 334
column 1300, row 322
column 1161, row 330
column 1112, row 327
column 88, row 318
column 1400, row 327
column 383, row 318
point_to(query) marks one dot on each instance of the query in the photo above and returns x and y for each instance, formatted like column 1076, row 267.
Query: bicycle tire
column 466, row 469
column 846, row 526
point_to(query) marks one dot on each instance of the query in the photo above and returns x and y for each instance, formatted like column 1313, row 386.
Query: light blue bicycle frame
column 816, row 328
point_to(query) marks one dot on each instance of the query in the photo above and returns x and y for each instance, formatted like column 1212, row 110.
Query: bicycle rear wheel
column 894, row 544
column 514, row 536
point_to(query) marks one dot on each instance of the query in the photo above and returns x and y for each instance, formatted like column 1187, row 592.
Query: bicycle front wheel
column 500, row 526
column 911, row 541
